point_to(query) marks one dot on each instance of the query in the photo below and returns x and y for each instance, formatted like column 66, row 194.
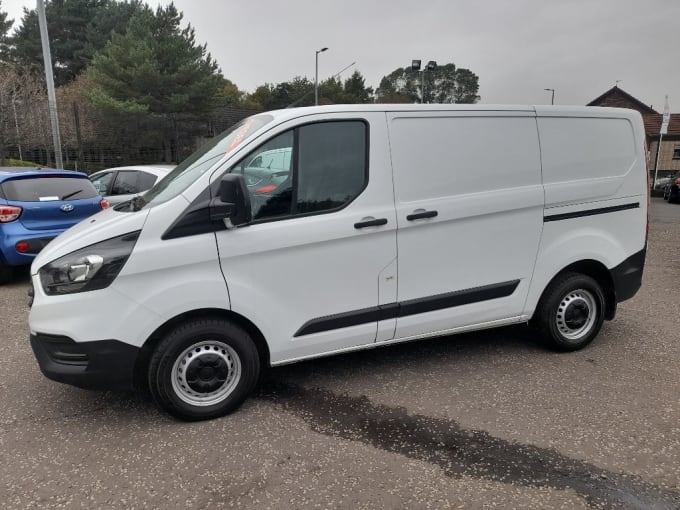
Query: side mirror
column 233, row 203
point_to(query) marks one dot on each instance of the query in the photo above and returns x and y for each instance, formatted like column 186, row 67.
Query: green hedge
column 18, row 162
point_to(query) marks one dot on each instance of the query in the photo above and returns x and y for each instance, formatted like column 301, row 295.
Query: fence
column 92, row 139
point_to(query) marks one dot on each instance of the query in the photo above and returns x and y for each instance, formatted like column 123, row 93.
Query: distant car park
column 122, row 183
column 659, row 186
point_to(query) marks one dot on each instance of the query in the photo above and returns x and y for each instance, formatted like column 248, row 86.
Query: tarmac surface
column 481, row 420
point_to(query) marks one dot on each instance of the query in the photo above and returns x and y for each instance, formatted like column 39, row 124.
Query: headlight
column 91, row 268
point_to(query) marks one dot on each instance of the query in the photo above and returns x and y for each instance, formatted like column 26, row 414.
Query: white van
column 396, row 222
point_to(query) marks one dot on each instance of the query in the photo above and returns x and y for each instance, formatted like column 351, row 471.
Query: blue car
column 36, row 205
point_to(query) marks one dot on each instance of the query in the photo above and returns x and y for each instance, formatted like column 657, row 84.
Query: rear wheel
column 571, row 311
column 203, row 369
column 5, row 272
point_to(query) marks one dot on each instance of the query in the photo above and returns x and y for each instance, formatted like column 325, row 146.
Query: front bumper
column 103, row 364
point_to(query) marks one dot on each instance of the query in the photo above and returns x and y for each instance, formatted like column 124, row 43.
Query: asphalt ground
column 482, row 420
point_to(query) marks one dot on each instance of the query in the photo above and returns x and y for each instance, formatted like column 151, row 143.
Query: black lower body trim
column 406, row 308
column 103, row 364
column 591, row 212
column 627, row 276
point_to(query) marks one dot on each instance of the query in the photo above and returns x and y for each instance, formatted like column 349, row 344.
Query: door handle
column 421, row 215
column 371, row 223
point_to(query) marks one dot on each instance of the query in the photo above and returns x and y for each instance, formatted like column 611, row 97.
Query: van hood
column 104, row 225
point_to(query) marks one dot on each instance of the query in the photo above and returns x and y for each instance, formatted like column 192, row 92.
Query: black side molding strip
column 457, row 298
column 406, row 308
column 591, row 212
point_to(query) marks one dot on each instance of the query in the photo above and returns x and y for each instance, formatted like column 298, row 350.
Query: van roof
column 540, row 110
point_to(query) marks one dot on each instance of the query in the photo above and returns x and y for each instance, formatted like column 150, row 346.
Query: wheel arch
column 598, row 272
column 144, row 357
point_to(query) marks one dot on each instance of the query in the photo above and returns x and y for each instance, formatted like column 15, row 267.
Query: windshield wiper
column 66, row 197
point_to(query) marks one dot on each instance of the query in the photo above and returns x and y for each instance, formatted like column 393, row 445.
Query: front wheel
column 203, row 369
column 571, row 311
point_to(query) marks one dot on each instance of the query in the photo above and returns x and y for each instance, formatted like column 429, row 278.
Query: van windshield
column 199, row 162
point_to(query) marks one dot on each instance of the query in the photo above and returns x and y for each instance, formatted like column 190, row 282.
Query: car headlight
column 91, row 268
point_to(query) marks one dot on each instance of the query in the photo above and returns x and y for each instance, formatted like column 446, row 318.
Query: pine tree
column 156, row 66
column 77, row 29
column 5, row 26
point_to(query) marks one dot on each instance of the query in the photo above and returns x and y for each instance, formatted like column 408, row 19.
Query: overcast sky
column 517, row 48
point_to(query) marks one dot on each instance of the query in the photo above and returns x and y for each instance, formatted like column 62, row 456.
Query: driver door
column 311, row 269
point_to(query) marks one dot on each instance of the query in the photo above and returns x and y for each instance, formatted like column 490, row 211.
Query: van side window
column 314, row 168
column 331, row 165
column 268, row 176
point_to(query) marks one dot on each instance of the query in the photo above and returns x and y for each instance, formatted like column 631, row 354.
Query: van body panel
column 387, row 294
column 103, row 225
column 599, row 200
column 587, row 159
column 608, row 238
column 481, row 173
column 160, row 280
column 284, row 273
column 106, row 314
column 463, row 329
column 173, row 276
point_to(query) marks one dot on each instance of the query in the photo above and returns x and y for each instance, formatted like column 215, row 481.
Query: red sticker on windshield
column 240, row 134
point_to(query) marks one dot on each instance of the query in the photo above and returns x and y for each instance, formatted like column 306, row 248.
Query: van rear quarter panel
column 592, row 158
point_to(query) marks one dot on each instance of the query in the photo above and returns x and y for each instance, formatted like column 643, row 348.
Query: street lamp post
column 431, row 66
column 552, row 99
column 316, row 76
column 49, row 80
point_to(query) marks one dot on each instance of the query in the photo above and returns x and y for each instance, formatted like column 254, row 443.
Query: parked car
column 672, row 190
column 36, row 205
column 659, row 186
column 264, row 180
column 389, row 230
column 122, row 183
column 272, row 159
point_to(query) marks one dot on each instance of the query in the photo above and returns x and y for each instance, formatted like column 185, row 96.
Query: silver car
column 122, row 183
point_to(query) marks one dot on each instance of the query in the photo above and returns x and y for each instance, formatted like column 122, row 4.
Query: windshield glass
column 202, row 160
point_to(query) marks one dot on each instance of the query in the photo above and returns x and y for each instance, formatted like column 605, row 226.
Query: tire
column 5, row 273
column 203, row 369
column 570, row 313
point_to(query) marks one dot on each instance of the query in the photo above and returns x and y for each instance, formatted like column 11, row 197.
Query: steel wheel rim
column 576, row 314
column 207, row 352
